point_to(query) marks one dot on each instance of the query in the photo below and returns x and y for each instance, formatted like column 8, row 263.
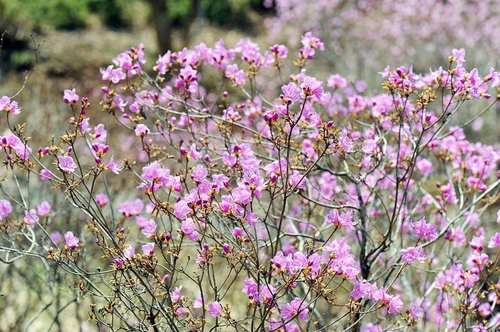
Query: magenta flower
column 70, row 97
column 294, row 308
column 188, row 227
column 148, row 248
column 392, row 302
column 312, row 87
column 467, row 279
column 241, row 194
column 13, row 142
column 45, row 175
column 113, row 75
column 118, row 262
column 114, row 167
column 71, row 240
column 193, row 152
column 214, row 309
column 5, row 208
column 164, row 63
column 199, row 173
column 411, row 254
column 424, row 230
column 291, row 92
column 363, row 290
column 9, row 106
column 66, row 164
column 345, row 142
column 238, row 75
column 340, row 220
column 280, row 51
column 477, row 243
column 415, row 311
column 149, row 228
column 181, row 209
column 176, row 294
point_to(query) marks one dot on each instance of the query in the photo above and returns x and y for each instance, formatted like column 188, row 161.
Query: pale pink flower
column 66, row 164
column 71, row 240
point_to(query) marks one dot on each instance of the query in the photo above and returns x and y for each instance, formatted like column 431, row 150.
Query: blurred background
column 362, row 37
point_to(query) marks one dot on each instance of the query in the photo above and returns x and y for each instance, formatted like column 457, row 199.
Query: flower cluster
column 322, row 205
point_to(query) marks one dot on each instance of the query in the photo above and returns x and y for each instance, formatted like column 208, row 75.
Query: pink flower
column 424, row 166
column 5, row 208
column 149, row 228
column 199, row 302
column 313, row 42
column 188, row 227
column 141, row 130
column 280, row 51
column 294, row 308
column 312, row 87
column 44, row 209
column 113, row 75
column 336, row 82
column 424, row 230
column 458, row 56
column 199, row 173
column 241, row 195
column 363, row 290
column 129, row 209
column 71, row 240
column 291, row 92
column 477, row 243
column 392, row 302
column 340, row 220
column 193, row 152
column 181, row 209
column 415, row 311
column 55, row 237
column 495, row 241
column 176, row 294
column 164, row 63
column 129, row 252
column 345, row 142
column 66, row 164
column 45, row 175
column 101, row 199
column 70, row 97
column 148, row 248
column 9, row 106
column 411, row 254
column 214, row 309
column 31, row 217
column 114, row 167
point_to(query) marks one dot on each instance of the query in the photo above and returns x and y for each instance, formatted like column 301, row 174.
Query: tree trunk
column 162, row 24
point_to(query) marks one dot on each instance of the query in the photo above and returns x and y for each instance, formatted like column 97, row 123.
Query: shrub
column 325, row 207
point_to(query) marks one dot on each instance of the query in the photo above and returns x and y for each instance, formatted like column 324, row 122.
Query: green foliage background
column 74, row 14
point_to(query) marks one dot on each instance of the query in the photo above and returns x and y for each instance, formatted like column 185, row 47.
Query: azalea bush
column 421, row 33
column 169, row 205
